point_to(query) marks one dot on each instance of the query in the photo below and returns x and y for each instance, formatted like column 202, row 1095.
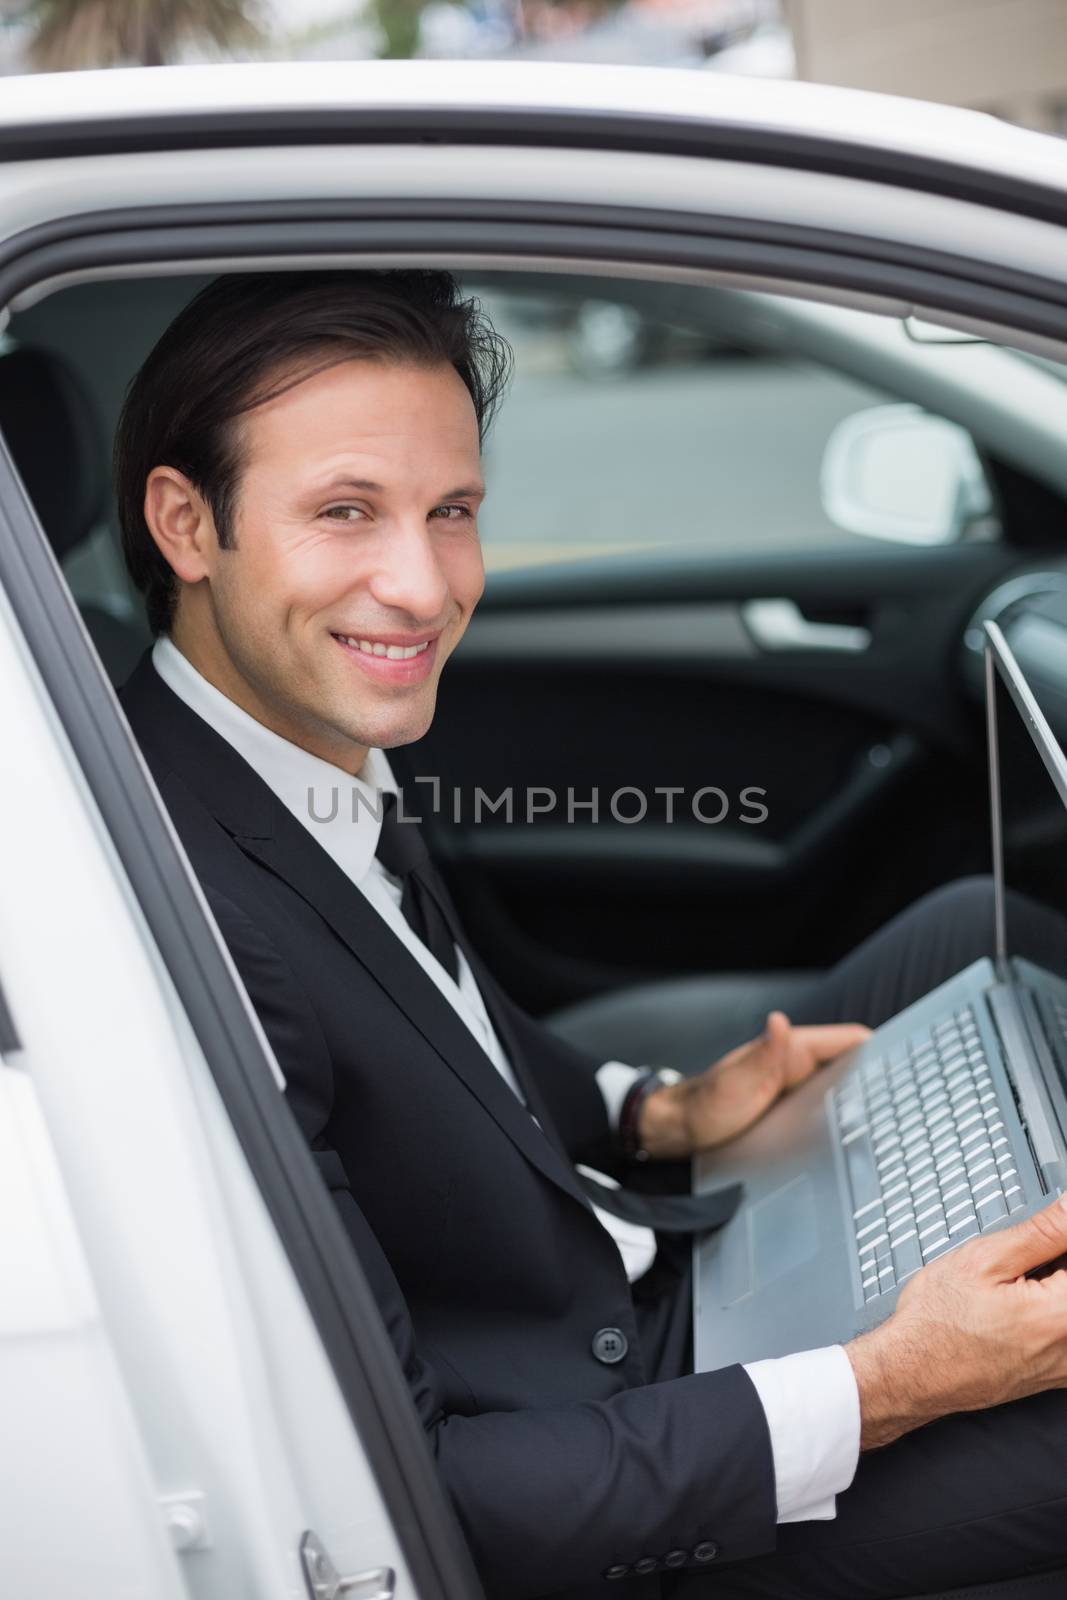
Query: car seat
column 54, row 438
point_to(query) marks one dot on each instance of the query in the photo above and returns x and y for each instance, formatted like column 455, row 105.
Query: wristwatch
column 630, row 1112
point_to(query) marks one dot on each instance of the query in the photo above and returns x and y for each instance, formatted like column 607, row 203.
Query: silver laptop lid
column 1001, row 666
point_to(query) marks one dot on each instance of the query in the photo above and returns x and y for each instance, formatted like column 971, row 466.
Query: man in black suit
column 298, row 475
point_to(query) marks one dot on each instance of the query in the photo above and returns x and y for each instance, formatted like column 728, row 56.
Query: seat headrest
column 51, row 431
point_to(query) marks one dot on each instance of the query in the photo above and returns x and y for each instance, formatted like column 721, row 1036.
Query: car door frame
column 305, row 1218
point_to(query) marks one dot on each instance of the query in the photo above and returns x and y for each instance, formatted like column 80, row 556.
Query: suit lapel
column 293, row 855
column 495, row 1005
column 268, row 832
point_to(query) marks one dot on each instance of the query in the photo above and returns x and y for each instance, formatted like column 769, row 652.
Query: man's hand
column 734, row 1092
column 971, row 1330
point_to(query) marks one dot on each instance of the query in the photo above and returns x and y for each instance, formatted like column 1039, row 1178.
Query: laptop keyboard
column 926, row 1149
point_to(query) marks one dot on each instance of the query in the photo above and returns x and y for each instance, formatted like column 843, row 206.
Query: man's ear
column 180, row 522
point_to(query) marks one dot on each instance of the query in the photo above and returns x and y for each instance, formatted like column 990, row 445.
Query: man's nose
column 409, row 577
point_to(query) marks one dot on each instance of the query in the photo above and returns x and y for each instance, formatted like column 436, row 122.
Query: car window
column 639, row 418
column 642, row 415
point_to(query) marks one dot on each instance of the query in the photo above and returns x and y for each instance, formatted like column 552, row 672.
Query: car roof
column 855, row 118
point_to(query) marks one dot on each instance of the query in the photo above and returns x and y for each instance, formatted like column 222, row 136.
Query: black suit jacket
column 491, row 1270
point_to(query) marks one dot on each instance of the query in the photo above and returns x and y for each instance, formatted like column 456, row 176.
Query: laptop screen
column 1028, row 783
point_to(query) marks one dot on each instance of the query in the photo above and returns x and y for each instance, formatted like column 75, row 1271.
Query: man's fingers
column 777, row 1028
column 830, row 1039
column 1041, row 1238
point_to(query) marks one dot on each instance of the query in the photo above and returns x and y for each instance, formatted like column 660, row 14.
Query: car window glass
column 641, row 419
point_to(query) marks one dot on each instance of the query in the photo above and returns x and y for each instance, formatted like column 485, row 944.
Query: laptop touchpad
column 783, row 1231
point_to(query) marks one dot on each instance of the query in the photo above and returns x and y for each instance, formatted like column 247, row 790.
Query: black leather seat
column 55, row 441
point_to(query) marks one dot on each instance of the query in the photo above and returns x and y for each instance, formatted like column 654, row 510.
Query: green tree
column 107, row 33
column 399, row 23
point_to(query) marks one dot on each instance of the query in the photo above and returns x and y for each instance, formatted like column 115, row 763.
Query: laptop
column 948, row 1122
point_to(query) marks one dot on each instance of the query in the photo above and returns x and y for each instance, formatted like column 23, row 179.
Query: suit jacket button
column 616, row 1572
column 646, row 1565
column 610, row 1345
column 706, row 1551
column 676, row 1558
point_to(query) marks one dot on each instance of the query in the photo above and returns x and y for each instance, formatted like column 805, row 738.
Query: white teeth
column 394, row 652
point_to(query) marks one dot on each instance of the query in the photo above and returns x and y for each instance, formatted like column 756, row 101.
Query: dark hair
column 216, row 359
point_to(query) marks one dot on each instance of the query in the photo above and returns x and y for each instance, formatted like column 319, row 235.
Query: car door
column 189, row 1410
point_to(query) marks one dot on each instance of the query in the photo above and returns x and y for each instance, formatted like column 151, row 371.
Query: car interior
column 739, row 548
column 719, row 714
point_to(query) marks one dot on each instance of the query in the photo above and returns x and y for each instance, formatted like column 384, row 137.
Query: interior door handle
column 780, row 625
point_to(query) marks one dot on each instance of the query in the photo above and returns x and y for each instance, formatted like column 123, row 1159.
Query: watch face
column 669, row 1075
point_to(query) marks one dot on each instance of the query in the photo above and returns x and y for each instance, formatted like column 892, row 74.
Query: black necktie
column 426, row 906
column 402, row 852
column 667, row 1213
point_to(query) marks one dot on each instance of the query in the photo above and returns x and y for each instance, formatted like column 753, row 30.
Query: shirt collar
column 342, row 812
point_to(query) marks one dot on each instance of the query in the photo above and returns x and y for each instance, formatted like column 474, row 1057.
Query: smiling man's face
column 357, row 562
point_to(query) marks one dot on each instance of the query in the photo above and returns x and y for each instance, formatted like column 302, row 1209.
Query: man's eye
column 463, row 512
column 338, row 513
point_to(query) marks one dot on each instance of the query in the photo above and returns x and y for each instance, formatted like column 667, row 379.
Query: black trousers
column 971, row 1498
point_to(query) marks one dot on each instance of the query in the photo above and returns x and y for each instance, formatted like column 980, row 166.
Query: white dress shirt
column 810, row 1399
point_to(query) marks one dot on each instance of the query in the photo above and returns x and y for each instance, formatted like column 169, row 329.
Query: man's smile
column 393, row 658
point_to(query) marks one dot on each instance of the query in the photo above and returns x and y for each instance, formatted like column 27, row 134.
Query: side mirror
column 896, row 472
